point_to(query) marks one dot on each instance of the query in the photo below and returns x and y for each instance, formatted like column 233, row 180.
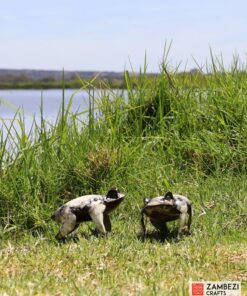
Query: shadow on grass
column 157, row 236
column 75, row 237
column 154, row 236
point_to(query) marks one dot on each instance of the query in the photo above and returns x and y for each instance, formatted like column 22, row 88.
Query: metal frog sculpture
column 167, row 208
column 86, row 208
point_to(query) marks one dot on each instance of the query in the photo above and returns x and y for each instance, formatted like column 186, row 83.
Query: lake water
column 28, row 103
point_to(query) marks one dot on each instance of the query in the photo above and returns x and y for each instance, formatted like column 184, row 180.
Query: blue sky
column 106, row 35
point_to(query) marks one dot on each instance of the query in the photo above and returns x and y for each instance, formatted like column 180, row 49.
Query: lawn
column 181, row 133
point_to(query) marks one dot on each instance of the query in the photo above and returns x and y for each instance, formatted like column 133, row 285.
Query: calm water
column 29, row 101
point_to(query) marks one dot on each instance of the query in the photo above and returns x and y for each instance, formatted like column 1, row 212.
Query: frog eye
column 168, row 196
column 112, row 193
column 146, row 200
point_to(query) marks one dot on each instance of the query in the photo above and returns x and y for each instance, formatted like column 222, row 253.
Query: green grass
column 122, row 264
column 187, row 134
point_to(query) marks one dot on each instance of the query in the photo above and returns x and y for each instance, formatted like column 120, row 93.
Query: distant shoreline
column 45, row 79
column 76, row 84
